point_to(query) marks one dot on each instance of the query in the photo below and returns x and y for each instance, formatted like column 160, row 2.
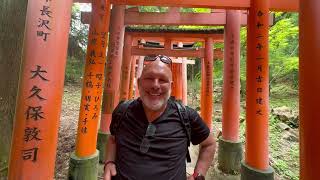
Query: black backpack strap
column 120, row 113
column 184, row 117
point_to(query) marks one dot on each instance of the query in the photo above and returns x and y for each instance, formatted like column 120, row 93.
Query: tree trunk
column 12, row 25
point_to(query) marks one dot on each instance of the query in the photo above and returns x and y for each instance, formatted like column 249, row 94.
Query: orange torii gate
column 173, row 17
column 29, row 161
column 168, row 38
column 275, row 5
column 229, row 143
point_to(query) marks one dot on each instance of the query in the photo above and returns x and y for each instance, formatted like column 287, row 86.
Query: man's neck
column 153, row 115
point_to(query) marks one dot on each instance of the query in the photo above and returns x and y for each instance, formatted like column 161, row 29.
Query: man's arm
column 110, row 167
column 206, row 154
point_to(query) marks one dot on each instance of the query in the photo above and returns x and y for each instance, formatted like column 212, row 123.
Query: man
column 150, row 142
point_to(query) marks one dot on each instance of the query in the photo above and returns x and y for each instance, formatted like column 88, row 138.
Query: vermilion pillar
column 174, row 80
column 86, row 154
column 309, row 88
column 177, row 83
column 132, row 76
column 139, row 71
column 256, row 163
column 126, row 68
column 230, row 150
column 35, row 134
column 207, row 83
column 184, row 81
column 112, row 76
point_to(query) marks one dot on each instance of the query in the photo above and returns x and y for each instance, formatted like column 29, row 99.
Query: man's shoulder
column 178, row 104
column 125, row 105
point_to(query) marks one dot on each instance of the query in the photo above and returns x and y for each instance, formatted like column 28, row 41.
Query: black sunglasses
column 145, row 144
column 163, row 58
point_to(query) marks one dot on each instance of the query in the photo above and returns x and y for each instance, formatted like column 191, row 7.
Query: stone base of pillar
column 101, row 145
column 249, row 173
column 84, row 168
column 229, row 156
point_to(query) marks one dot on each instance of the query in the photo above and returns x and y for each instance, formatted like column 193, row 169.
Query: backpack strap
column 184, row 118
column 120, row 113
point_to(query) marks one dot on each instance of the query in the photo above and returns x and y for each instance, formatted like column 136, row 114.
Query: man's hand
column 190, row 177
column 109, row 170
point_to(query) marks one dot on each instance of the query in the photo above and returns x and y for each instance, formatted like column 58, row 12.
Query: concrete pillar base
column 229, row 156
column 101, row 144
column 249, row 173
column 84, row 168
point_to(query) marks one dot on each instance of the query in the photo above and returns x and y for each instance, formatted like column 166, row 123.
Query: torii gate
column 230, row 148
column 34, row 158
column 167, row 38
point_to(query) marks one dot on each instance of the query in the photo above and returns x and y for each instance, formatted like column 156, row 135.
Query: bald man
column 151, row 143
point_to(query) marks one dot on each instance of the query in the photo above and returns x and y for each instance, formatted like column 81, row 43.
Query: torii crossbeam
column 275, row 5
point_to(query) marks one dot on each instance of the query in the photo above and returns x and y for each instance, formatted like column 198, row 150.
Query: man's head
column 155, row 83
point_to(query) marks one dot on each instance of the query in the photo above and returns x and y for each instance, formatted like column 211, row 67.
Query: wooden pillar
column 184, row 82
column 139, row 71
column 113, row 66
column 132, row 76
column 231, row 82
column 178, row 82
column 309, row 88
column 84, row 161
column 174, row 80
column 230, row 149
column 38, row 109
column 256, row 162
column 112, row 77
column 126, row 68
column 93, row 79
column 207, row 83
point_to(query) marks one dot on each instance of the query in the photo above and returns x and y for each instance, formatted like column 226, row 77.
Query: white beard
column 155, row 105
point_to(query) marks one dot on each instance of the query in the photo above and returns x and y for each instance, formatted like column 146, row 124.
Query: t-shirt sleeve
column 115, row 119
column 199, row 130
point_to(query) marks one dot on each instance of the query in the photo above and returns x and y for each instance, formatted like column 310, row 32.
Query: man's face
column 155, row 85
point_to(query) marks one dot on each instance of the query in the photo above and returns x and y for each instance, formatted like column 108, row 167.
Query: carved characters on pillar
column 94, row 74
column 45, row 16
column 231, row 62
column 208, row 73
column 34, row 113
column 114, row 46
column 260, row 58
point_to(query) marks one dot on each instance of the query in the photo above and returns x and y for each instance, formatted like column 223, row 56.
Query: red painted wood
column 257, row 89
column 231, row 78
column 275, row 5
column 309, row 88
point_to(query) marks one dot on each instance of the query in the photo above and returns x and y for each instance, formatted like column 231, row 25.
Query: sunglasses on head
column 164, row 59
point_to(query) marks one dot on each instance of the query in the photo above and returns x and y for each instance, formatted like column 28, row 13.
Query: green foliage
column 74, row 70
column 152, row 9
column 283, row 39
column 218, row 73
column 78, row 35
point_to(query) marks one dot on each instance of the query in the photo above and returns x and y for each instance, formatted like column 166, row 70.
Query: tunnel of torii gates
column 38, row 108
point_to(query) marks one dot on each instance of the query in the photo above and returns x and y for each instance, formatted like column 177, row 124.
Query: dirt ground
column 68, row 129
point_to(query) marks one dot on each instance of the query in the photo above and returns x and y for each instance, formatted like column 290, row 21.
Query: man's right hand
column 109, row 170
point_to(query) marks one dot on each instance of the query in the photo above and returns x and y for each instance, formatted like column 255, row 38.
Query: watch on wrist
column 198, row 176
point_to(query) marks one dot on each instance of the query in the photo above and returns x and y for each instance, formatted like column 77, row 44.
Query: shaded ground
column 283, row 151
column 67, row 129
